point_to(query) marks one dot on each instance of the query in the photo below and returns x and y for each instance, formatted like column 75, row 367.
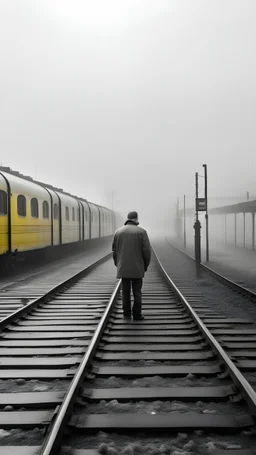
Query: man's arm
column 114, row 250
column 146, row 250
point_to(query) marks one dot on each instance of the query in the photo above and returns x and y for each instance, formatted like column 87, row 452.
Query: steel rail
column 239, row 380
column 21, row 312
column 54, row 438
column 218, row 276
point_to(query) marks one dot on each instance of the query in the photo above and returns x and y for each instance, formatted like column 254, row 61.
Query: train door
column 80, row 214
column 5, row 224
column 56, row 219
column 101, row 221
column 87, row 221
column 99, row 217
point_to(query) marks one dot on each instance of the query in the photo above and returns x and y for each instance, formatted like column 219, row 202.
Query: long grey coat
column 131, row 251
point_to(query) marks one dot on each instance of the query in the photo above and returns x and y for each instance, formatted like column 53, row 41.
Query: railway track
column 164, row 375
column 24, row 288
column 237, row 335
column 45, row 341
column 223, row 279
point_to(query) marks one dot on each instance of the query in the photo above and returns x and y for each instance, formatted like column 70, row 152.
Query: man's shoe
column 138, row 318
column 127, row 316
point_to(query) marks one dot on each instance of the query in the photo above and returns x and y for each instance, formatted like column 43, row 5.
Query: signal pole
column 206, row 214
column 197, row 227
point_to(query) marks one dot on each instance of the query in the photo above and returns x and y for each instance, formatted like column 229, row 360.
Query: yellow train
column 36, row 216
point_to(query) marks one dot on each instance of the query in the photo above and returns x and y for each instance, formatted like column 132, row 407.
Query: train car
column 25, row 215
column 69, row 218
column 35, row 216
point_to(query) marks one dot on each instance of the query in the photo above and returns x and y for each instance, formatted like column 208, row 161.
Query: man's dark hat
column 132, row 215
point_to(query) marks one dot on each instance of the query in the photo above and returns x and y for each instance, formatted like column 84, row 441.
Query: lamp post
column 206, row 209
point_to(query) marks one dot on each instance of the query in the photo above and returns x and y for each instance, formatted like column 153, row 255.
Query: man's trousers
column 136, row 284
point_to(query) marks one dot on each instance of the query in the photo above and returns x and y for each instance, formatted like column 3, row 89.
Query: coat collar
column 131, row 222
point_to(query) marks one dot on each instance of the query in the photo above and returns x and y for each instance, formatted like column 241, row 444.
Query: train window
column 21, row 205
column 3, row 203
column 86, row 216
column 73, row 214
column 45, row 209
column 34, row 207
column 56, row 211
column 67, row 214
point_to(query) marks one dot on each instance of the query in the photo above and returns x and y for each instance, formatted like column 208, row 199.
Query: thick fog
column 122, row 101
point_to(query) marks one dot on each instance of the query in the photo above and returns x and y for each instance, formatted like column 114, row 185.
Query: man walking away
column 131, row 254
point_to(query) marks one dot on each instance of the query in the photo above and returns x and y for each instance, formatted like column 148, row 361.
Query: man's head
column 133, row 216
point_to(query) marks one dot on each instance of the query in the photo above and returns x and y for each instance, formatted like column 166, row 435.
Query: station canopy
column 241, row 207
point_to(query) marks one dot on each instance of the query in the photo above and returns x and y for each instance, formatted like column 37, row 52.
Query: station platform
column 236, row 263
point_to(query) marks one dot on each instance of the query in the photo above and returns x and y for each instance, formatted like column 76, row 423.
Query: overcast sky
column 131, row 96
